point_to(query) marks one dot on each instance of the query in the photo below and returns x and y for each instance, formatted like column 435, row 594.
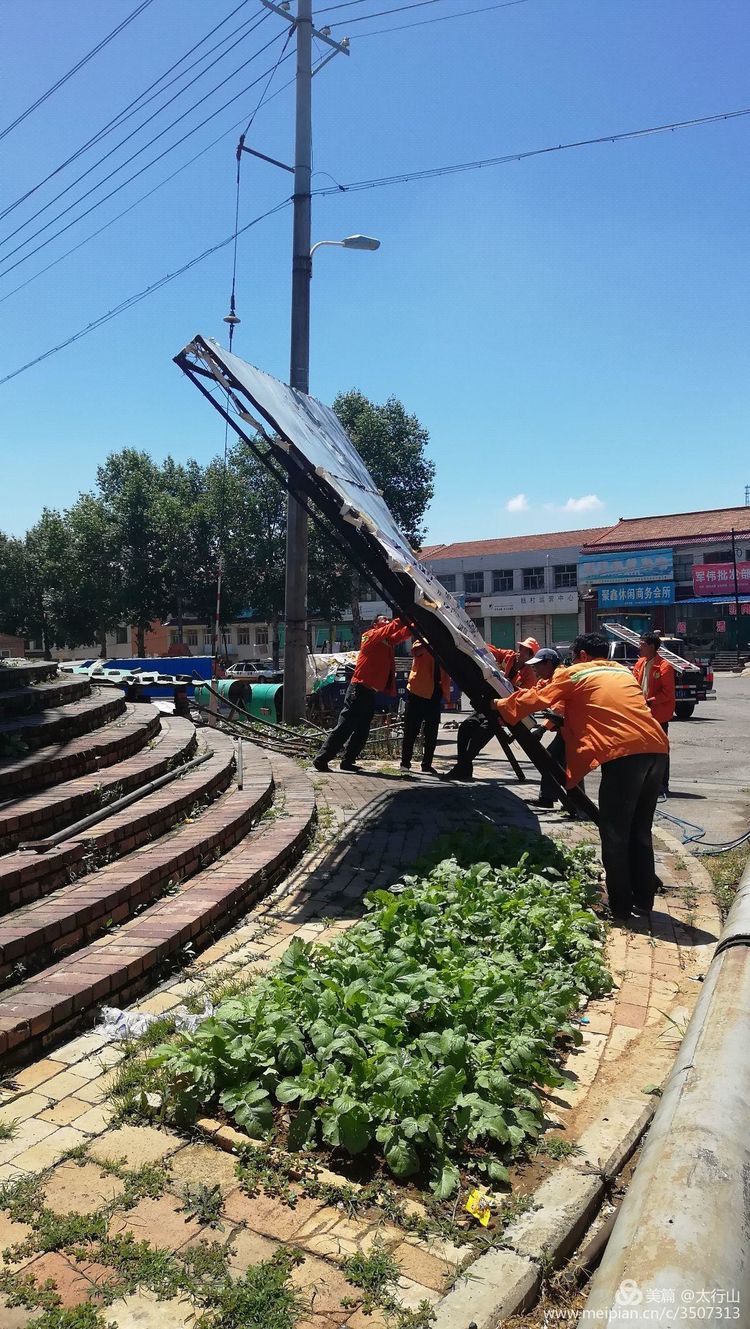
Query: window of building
column 502, row 580
column 368, row 593
column 474, row 583
column 174, row 637
column 206, row 636
column 227, row 635
column 243, row 636
column 566, row 576
column 192, row 637
column 121, row 635
column 261, row 636
column 448, row 580
column 533, row 579
column 720, row 556
column 683, row 567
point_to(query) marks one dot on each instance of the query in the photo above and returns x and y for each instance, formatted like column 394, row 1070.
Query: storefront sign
column 632, row 565
column 721, row 625
column 531, row 602
column 647, row 593
column 681, row 629
column 744, row 608
column 709, row 577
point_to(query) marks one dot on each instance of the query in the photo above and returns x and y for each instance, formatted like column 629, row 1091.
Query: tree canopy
column 146, row 543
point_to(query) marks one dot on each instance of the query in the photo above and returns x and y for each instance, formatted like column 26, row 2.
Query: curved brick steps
column 37, row 933
column 30, row 671
column 130, row 959
column 68, row 721
column 26, row 876
column 61, row 761
column 39, row 696
column 40, row 813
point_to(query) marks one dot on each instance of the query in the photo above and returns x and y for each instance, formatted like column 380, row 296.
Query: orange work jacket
column 606, row 716
column 422, row 677
column 661, row 687
column 376, row 662
column 521, row 676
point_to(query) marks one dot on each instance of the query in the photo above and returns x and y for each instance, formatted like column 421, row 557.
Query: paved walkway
column 371, row 828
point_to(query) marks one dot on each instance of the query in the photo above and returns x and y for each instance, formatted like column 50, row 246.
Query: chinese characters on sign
column 721, row 625
column 633, row 565
column 531, row 602
column 708, row 577
column 637, row 594
column 681, row 628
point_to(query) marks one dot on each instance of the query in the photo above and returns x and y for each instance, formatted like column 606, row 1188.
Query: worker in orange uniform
column 655, row 677
column 375, row 672
column 475, row 732
column 428, row 687
column 608, row 724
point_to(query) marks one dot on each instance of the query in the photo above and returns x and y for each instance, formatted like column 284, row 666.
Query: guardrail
column 680, row 1249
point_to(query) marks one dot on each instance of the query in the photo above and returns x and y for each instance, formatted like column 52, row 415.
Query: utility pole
column 295, row 612
column 295, row 644
column 736, row 601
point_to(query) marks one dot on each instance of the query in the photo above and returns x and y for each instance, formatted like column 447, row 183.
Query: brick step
column 61, row 761
column 26, row 876
column 37, row 933
column 44, row 811
column 63, row 722
column 31, row 671
column 51, row 692
column 124, row 963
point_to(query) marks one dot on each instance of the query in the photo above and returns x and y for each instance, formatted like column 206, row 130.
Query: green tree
column 129, row 486
column 94, row 600
column 393, row 445
column 47, row 581
column 12, row 585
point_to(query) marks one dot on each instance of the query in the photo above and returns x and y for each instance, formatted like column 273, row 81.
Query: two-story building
column 676, row 573
column 520, row 586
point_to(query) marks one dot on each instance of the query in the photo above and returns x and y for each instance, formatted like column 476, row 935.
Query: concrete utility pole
column 295, row 644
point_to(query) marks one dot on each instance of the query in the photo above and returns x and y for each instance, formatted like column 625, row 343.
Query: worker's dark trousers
column 628, row 795
column 474, row 733
column 420, row 711
column 665, row 786
column 352, row 726
column 548, row 789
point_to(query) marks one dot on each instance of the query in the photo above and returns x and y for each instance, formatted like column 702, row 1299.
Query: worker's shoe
column 429, row 770
column 351, row 766
column 455, row 773
column 321, row 764
column 405, row 766
column 543, row 802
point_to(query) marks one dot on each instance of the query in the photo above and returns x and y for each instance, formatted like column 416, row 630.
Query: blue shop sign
column 629, row 565
column 646, row 593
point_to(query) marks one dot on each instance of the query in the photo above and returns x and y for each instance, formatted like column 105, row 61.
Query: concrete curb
column 506, row 1280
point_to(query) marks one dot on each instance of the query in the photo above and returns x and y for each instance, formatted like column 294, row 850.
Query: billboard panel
column 626, row 565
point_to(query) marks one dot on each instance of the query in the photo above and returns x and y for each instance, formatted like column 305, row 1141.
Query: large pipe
column 682, row 1238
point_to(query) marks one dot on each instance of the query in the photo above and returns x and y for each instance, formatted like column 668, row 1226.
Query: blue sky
column 571, row 329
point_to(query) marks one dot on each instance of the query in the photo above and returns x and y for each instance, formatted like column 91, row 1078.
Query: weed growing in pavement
column 725, row 871
column 555, row 1146
column 8, row 1130
column 375, row 1273
column 204, row 1204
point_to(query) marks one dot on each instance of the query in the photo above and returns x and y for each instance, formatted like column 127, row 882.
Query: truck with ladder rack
column 694, row 681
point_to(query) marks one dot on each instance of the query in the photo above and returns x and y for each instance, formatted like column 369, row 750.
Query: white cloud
column 587, row 503
column 518, row 504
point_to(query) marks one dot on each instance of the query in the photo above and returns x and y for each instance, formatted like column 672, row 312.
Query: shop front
column 551, row 617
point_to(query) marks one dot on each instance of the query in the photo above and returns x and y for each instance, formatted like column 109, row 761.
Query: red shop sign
column 721, row 625
column 710, row 577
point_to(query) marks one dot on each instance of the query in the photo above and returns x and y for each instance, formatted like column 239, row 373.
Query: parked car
column 691, row 686
column 262, row 671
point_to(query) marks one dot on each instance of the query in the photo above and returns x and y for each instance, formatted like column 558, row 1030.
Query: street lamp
column 295, row 590
column 350, row 242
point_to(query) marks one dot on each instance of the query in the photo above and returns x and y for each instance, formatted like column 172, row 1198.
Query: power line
column 137, row 104
column 132, row 300
column 125, row 140
column 142, row 198
column 375, row 184
column 379, row 13
column 434, row 172
column 443, row 18
column 243, row 92
column 83, row 61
